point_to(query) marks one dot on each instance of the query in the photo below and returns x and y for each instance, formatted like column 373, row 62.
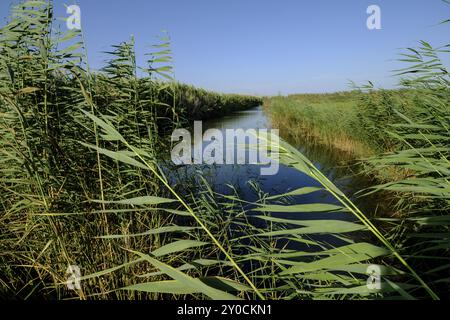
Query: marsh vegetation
column 83, row 182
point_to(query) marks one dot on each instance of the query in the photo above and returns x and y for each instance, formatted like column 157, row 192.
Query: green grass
column 353, row 121
column 327, row 119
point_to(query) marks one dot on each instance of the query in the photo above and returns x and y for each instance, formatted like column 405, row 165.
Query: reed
column 422, row 149
column 325, row 119
column 83, row 183
column 49, row 181
column 407, row 135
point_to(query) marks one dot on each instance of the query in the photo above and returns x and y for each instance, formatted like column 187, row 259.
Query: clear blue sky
column 265, row 46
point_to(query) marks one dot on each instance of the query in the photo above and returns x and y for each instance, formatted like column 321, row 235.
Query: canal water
column 228, row 179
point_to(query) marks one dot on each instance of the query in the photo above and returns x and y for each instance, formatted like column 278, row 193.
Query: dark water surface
column 244, row 177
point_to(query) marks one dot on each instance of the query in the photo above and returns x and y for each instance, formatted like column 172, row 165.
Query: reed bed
column 405, row 139
column 325, row 119
column 57, row 197
column 82, row 184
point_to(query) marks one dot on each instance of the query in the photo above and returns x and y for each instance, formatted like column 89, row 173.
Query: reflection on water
column 242, row 179
column 220, row 177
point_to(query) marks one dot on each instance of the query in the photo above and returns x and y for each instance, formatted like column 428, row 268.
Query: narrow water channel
column 333, row 163
column 246, row 181
column 245, row 177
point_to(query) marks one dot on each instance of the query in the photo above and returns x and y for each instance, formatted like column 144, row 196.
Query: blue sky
column 265, row 46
